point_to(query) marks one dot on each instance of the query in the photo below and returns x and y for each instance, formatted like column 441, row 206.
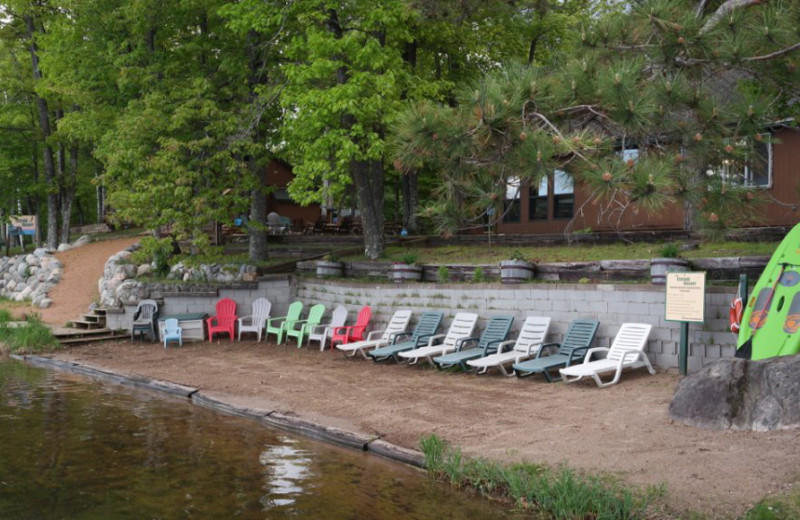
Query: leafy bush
column 443, row 274
column 409, row 258
column 157, row 251
column 670, row 250
column 478, row 275
column 517, row 255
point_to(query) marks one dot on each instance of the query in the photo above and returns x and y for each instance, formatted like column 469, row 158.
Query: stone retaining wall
column 609, row 303
column 30, row 277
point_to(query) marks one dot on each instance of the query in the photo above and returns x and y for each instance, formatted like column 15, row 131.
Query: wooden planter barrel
column 327, row 269
column 516, row 271
column 402, row 273
column 659, row 267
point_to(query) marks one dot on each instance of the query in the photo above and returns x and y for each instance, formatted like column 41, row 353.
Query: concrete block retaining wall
column 611, row 304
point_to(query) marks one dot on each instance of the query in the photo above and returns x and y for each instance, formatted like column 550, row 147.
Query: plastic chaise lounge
column 426, row 328
column 529, row 341
column 495, row 333
column 627, row 351
column 324, row 331
column 353, row 332
column 398, row 324
column 257, row 319
column 224, row 320
column 461, row 329
column 572, row 348
column 301, row 328
column 279, row 324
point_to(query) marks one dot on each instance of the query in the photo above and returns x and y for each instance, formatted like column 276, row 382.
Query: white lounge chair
column 627, row 351
column 398, row 324
column 324, row 331
column 460, row 329
column 256, row 320
column 528, row 342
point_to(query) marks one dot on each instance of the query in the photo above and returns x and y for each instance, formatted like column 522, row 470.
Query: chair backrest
column 171, row 326
column 533, row 332
column 146, row 309
column 339, row 316
column 580, row 334
column 631, row 337
column 261, row 309
column 427, row 325
column 294, row 311
column 398, row 323
column 496, row 330
column 273, row 219
column 462, row 326
column 362, row 320
column 226, row 307
column 315, row 314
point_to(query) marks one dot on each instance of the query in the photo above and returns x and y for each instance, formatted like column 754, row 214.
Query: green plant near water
column 780, row 507
column 30, row 338
column 558, row 492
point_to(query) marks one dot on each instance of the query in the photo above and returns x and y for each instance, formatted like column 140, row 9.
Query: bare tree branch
column 727, row 8
column 775, row 54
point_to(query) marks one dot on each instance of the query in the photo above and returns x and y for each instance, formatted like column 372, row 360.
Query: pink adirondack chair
column 353, row 332
column 225, row 319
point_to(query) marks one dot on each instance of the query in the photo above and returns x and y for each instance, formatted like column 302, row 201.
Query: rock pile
column 125, row 283
column 738, row 394
column 30, row 277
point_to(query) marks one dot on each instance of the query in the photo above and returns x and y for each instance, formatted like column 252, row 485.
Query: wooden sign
column 686, row 297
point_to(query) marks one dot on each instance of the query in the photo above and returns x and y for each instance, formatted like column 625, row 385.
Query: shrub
column 29, row 338
column 409, row 258
column 478, row 275
column 443, row 274
column 331, row 257
column 157, row 251
column 517, row 255
column 670, row 250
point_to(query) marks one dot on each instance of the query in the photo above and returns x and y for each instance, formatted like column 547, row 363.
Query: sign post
column 685, row 303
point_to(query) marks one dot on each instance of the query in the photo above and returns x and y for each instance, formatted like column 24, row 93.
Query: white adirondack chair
column 323, row 331
column 627, row 351
column 256, row 320
column 378, row 338
column 530, row 339
column 461, row 328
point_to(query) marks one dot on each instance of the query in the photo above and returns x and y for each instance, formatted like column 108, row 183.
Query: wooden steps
column 89, row 328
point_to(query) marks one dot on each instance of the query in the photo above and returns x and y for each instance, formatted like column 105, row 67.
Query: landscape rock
column 82, row 241
column 45, row 303
column 143, row 270
column 738, row 394
column 64, row 247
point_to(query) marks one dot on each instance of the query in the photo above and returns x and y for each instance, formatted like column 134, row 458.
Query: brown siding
column 280, row 175
column 783, row 198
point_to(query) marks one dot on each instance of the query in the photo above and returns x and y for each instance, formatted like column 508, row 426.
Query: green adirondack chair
column 494, row 334
column 300, row 329
column 426, row 327
column 577, row 341
column 279, row 324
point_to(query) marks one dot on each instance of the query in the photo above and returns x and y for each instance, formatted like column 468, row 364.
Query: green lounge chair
column 578, row 339
column 300, row 329
column 279, row 324
column 426, row 328
column 494, row 333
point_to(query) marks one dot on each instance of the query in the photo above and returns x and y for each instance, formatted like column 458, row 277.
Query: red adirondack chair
column 225, row 319
column 353, row 332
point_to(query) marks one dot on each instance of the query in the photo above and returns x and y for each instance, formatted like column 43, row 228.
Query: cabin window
column 537, row 201
column 750, row 165
column 563, row 195
column 511, row 208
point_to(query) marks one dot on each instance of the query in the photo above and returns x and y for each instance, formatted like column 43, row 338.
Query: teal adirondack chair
column 300, row 329
column 279, row 324
column 426, row 327
column 578, row 339
column 494, row 334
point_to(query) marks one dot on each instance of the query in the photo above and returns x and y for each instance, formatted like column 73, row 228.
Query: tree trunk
column 410, row 201
column 368, row 177
column 257, row 226
column 44, row 125
column 68, row 193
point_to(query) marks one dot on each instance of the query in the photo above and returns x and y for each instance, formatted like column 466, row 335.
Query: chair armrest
column 532, row 346
column 432, row 338
column 460, row 342
column 545, row 346
column 343, row 329
column 374, row 333
column 488, row 348
column 243, row 318
column 577, row 353
column 323, row 326
column 591, row 351
column 398, row 335
column 502, row 346
column 276, row 318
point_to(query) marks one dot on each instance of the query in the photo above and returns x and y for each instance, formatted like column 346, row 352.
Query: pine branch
column 726, row 8
column 775, row 54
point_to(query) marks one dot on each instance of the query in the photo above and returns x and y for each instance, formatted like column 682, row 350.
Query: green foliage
column 517, row 255
column 443, row 274
column 30, row 337
column 558, row 492
column 409, row 258
column 670, row 250
column 779, row 507
column 331, row 257
column 157, row 251
column 478, row 276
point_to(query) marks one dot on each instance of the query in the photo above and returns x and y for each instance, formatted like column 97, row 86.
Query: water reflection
column 77, row 449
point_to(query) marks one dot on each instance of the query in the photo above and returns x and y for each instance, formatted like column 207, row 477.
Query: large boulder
column 738, row 394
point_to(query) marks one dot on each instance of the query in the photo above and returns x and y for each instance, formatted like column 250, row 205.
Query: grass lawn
column 485, row 254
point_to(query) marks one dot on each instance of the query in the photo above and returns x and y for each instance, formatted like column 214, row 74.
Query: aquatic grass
column 30, row 337
column 779, row 507
column 555, row 492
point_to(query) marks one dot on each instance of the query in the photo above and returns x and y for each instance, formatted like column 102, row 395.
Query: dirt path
column 83, row 267
column 623, row 429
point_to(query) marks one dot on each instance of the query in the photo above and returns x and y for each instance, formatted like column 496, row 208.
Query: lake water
column 72, row 448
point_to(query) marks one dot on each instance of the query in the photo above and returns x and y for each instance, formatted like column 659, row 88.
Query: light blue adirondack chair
column 172, row 332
